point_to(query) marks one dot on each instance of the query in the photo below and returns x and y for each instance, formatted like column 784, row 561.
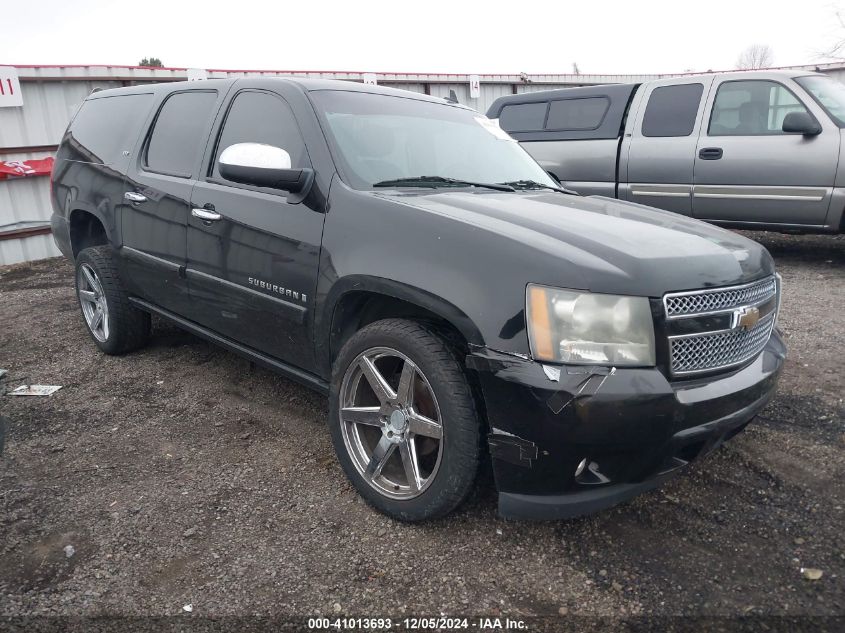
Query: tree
column 155, row 62
column 838, row 47
column 755, row 56
column 575, row 69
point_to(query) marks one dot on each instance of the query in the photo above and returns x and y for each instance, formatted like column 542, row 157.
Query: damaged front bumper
column 567, row 441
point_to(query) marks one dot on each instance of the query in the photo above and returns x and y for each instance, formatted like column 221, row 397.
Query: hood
column 606, row 245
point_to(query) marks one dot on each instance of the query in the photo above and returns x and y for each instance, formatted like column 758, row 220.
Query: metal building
column 51, row 94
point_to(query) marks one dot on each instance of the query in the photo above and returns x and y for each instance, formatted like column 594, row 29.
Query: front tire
column 113, row 322
column 403, row 420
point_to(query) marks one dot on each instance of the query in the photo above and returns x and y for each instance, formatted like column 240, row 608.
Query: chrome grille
column 712, row 351
column 704, row 351
column 703, row 301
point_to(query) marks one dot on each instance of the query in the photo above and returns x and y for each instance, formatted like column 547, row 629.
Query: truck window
column 177, row 137
column 671, row 110
column 105, row 127
column 523, row 117
column 261, row 117
column 577, row 114
column 828, row 93
column 751, row 108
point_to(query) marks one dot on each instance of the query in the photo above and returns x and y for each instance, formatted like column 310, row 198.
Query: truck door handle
column 205, row 215
column 710, row 153
column 131, row 196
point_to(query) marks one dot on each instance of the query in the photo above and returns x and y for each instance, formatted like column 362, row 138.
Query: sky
column 425, row 36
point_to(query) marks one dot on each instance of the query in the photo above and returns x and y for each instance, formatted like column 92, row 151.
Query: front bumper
column 627, row 429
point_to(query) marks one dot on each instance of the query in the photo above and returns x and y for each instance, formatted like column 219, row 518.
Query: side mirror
column 554, row 176
column 801, row 123
column 263, row 166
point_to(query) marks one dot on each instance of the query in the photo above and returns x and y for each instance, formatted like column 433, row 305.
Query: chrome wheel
column 93, row 302
column 390, row 422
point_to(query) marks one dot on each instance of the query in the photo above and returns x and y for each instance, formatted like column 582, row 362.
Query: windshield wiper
column 440, row 181
column 533, row 184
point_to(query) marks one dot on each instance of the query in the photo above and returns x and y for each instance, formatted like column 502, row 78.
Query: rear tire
column 112, row 321
column 412, row 446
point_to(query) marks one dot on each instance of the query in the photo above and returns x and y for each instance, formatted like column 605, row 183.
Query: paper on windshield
column 492, row 126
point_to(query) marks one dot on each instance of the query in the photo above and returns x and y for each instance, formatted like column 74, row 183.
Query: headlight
column 584, row 328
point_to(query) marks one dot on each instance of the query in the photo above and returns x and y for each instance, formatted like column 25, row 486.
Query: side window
column 260, row 117
column 106, row 127
column 751, row 108
column 671, row 110
column 577, row 114
column 177, row 139
column 523, row 117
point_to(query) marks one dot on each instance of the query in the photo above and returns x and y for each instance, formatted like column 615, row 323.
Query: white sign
column 10, row 87
column 197, row 74
column 474, row 86
column 369, row 79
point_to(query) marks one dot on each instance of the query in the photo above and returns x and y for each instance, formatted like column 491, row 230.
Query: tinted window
column 577, row 114
column 106, row 127
column 671, row 110
column 177, row 137
column 751, row 108
column 523, row 117
column 259, row 117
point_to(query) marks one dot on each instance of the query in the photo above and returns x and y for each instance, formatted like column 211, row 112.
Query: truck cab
column 756, row 149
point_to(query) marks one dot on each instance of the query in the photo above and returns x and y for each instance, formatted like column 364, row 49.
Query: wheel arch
column 86, row 228
column 357, row 301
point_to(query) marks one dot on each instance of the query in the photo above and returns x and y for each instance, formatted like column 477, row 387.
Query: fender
column 325, row 316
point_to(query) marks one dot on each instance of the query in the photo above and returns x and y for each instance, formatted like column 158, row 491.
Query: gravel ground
column 179, row 475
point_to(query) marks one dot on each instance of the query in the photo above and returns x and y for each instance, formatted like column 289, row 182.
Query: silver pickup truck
column 756, row 149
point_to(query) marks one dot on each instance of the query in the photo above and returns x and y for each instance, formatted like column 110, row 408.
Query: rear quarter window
column 106, row 127
column 523, row 117
column 672, row 110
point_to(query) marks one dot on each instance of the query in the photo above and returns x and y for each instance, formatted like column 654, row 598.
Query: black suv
column 405, row 256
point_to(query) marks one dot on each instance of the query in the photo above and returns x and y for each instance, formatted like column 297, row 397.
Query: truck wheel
column 403, row 420
column 115, row 325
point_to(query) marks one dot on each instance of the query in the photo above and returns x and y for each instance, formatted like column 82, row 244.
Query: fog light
column 581, row 466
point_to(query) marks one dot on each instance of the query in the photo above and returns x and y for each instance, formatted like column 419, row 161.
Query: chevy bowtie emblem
column 746, row 318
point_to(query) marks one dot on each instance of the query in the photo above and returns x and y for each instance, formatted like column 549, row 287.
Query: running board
column 289, row 371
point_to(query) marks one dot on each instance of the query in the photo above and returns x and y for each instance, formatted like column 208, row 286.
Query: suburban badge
column 279, row 290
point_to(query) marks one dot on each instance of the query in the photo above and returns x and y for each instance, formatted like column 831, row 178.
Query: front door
column 253, row 256
column 661, row 150
column 748, row 170
column 154, row 215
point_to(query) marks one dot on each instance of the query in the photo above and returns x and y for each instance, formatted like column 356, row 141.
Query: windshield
column 828, row 93
column 381, row 138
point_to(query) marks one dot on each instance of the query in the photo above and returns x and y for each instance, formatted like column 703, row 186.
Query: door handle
column 710, row 153
column 131, row 196
column 205, row 215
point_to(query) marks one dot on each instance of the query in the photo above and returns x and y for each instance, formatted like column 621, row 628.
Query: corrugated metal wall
column 51, row 94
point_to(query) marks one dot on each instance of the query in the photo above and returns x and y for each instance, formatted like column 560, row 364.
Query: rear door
column 659, row 152
column 748, row 170
column 253, row 269
column 156, row 204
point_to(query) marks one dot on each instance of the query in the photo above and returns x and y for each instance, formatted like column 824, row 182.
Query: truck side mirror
column 263, row 166
column 801, row 123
